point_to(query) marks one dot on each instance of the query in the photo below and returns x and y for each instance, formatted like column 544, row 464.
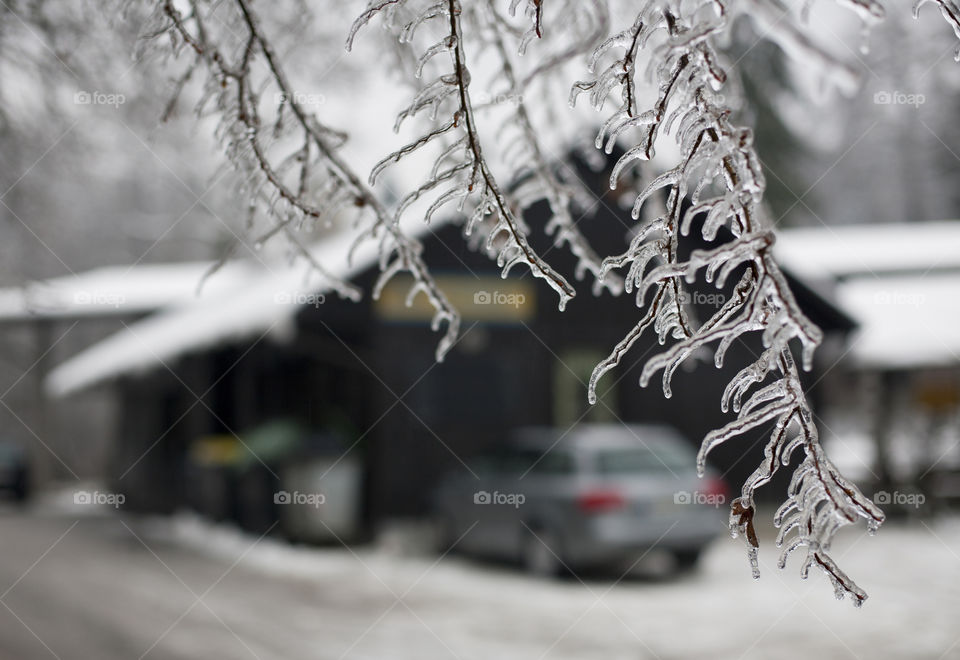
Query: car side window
column 519, row 461
column 643, row 460
column 556, row 462
column 522, row 461
column 485, row 464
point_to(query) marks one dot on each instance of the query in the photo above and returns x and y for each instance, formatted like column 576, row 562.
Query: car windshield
column 631, row 460
column 9, row 452
column 536, row 461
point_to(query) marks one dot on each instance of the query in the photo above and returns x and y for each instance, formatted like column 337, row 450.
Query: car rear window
column 643, row 460
column 554, row 462
column 538, row 461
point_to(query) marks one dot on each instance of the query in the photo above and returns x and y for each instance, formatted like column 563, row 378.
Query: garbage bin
column 211, row 476
column 320, row 500
column 264, row 450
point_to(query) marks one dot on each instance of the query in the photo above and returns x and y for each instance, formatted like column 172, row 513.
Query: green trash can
column 264, row 451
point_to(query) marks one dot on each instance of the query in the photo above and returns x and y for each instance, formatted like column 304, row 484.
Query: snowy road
column 97, row 587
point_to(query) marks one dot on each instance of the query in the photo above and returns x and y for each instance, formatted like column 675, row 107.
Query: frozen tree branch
column 325, row 183
column 538, row 178
column 660, row 75
column 720, row 175
column 468, row 176
column 950, row 11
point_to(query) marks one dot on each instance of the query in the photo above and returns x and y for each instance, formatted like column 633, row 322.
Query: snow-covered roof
column 116, row 291
column 907, row 317
column 253, row 300
column 870, row 249
column 901, row 283
column 905, row 321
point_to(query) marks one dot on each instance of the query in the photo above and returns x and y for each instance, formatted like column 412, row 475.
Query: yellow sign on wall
column 476, row 298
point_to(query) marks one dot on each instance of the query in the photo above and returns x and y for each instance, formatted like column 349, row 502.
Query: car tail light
column 717, row 487
column 600, row 501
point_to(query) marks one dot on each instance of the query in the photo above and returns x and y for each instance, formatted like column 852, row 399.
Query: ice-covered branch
column 461, row 173
column 661, row 75
column 537, row 178
column 324, row 183
column 534, row 11
column 718, row 174
column 950, row 11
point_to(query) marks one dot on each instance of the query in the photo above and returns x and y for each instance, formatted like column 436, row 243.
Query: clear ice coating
column 753, row 555
column 719, row 157
column 461, row 173
column 718, row 177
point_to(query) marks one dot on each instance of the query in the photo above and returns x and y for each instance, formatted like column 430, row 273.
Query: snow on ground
column 418, row 606
column 81, row 585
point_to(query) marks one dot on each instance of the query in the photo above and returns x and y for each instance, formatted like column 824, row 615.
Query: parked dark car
column 598, row 496
column 14, row 471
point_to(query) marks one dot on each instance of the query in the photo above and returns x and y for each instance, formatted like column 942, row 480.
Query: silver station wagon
column 596, row 496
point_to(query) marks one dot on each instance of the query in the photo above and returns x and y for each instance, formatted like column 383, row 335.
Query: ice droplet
column 752, row 554
column 865, row 38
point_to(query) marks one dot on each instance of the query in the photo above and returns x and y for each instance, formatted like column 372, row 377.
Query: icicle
column 753, row 555
column 865, row 38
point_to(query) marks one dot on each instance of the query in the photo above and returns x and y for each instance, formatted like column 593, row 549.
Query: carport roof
column 900, row 283
column 869, row 249
column 127, row 290
column 249, row 299
column 857, row 265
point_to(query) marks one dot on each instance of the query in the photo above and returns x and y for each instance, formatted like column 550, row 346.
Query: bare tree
column 483, row 76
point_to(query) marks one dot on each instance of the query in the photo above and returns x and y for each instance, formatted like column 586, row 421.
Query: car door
column 507, row 499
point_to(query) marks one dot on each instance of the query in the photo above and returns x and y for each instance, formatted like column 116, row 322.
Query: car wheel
column 686, row 560
column 446, row 533
column 541, row 553
column 21, row 490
